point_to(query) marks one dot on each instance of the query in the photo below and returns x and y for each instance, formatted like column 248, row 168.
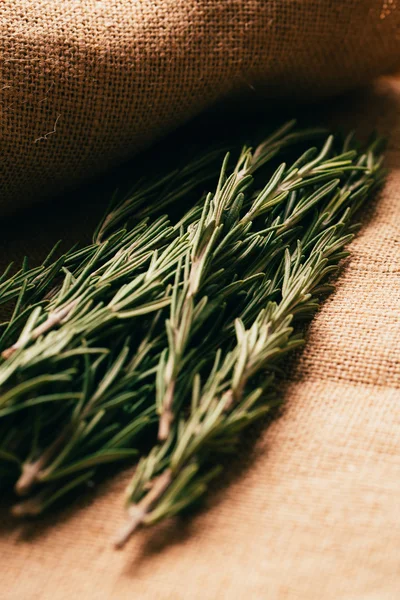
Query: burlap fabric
column 310, row 510
column 84, row 84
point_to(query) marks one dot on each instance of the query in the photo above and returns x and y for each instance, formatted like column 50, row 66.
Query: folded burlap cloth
column 84, row 84
column 310, row 510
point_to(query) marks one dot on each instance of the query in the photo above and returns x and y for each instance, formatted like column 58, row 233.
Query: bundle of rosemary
column 168, row 335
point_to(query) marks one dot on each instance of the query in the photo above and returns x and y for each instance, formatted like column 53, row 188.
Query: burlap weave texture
column 84, row 84
column 312, row 508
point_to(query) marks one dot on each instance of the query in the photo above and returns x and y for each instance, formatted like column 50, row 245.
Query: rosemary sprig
column 239, row 387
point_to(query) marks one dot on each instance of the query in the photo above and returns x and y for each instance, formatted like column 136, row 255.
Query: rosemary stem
column 138, row 512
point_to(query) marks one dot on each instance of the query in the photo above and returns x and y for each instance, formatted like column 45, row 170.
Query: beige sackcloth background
column 311, row 511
